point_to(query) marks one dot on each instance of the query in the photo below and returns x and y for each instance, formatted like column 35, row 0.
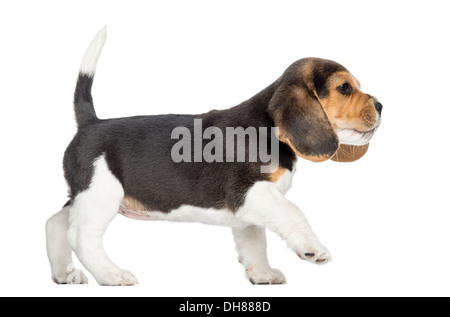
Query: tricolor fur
column 124, row 166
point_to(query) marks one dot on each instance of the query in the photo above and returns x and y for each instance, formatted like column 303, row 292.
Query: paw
column 316, row 254
column 71, row 276
column 265, row 276
column 117, row 278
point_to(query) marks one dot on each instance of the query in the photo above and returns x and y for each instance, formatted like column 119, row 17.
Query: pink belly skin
column 138, row 215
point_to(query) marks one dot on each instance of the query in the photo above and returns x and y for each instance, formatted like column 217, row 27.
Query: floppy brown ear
column 350, row 153
column 303, row 124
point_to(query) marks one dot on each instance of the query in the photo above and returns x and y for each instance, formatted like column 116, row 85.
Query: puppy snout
column 369, row 116
column 378, row 107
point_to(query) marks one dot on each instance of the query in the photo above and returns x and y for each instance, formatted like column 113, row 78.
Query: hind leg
column 92, row 211
column 59, row 251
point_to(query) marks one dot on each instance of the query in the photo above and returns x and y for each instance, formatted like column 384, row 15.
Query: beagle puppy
column 316, row 110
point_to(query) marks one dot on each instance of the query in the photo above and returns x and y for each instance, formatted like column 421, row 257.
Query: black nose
column 378, row 106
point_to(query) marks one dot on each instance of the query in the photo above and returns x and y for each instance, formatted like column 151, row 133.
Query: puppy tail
column 83, row 103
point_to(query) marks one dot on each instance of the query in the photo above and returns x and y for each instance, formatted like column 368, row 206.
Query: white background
column 385, row 218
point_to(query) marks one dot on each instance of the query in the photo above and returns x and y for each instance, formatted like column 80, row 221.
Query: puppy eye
column 345, row 89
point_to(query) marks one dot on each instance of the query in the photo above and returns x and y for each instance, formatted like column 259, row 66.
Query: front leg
column 251, row 245
column 266, row 206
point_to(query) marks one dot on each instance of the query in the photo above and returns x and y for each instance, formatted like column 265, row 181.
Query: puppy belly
column 139, row 215
column 186, row 213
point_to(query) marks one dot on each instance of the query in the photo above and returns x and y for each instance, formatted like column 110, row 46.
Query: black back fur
column 138, row 152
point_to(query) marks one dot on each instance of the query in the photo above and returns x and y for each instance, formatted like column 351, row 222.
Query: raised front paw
column 315, row 253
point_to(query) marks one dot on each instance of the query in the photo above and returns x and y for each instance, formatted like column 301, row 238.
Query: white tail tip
column 92, row 53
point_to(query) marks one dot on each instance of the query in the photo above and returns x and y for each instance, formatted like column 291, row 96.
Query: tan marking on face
column 356, row 111
column 307, row 72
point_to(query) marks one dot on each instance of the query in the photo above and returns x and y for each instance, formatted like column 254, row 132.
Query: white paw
column 315, row 253
column 265, row 276
column 71, row 276
column 117, row 278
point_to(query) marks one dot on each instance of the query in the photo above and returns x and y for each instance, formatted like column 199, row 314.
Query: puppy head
column 322, row 113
